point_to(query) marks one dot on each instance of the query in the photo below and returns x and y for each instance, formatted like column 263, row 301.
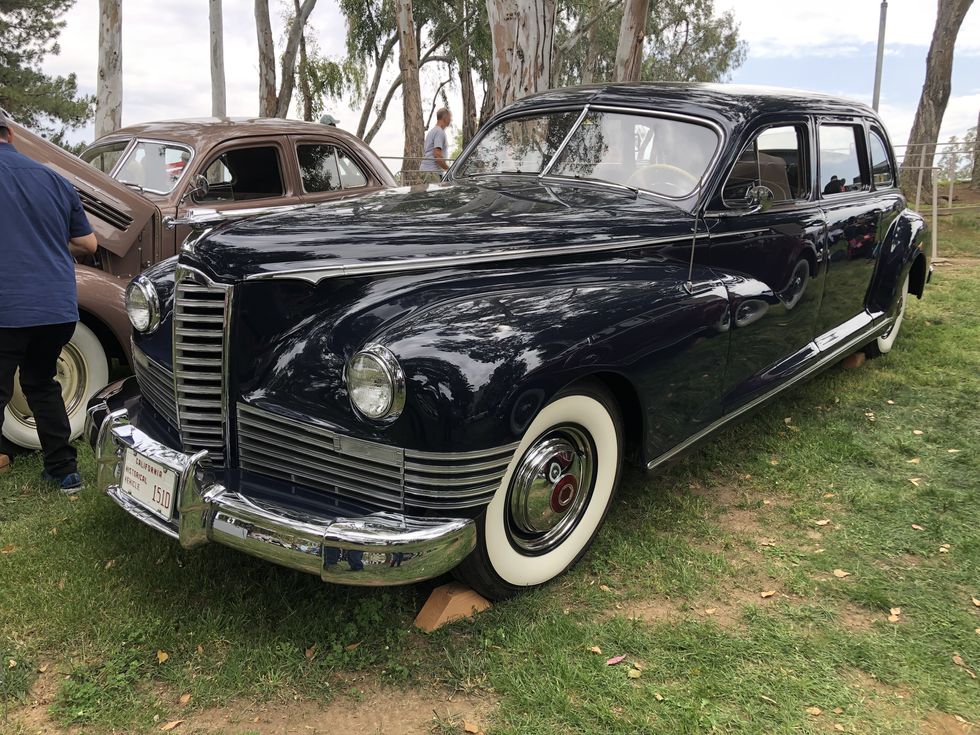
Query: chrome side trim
column 866, row 334
column 319, row 273
column 203, row 216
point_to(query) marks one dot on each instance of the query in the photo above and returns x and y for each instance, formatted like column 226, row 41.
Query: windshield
column 660, row 155
column 105, row 157
column 155, row 167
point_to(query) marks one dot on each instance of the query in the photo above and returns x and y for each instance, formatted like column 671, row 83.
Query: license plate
column 149, row 483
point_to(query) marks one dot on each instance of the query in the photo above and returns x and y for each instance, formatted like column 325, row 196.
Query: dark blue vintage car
column 381, row 390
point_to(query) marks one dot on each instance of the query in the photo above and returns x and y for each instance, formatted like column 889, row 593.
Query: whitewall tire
column 554, row 496
column 885, row 342
column 83, row 368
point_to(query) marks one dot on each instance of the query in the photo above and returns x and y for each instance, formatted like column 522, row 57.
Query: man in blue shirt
column 42, row 224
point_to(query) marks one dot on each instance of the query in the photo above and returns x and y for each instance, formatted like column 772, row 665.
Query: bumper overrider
column 377, row 549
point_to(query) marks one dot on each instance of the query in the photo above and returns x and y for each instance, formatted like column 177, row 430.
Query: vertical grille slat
column 157, row 385
column 200, row 319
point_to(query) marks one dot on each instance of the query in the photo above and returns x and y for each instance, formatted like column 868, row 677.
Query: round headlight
column 376, row 384
column 143, row 305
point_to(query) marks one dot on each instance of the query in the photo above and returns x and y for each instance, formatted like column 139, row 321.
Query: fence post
column 935, row 214
column 918, row 188
column 952, row 174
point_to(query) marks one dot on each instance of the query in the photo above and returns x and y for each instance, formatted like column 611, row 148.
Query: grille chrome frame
column 200, row 347
column 377, row 475
column 156, row 383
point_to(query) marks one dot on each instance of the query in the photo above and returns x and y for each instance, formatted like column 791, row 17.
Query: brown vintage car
column 141, row 184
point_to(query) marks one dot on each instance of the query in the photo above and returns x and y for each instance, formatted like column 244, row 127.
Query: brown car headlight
column 143, row 305
column 376, row 384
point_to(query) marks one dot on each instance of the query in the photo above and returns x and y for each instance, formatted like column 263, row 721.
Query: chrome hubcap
column 71, row 374
column 550, row 489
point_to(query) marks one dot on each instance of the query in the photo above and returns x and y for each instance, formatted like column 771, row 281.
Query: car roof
column 725, row 103
column 204, row 132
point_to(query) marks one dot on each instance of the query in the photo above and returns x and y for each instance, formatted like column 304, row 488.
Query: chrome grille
column 199, row 338
column 377, row 475
column 157, row 385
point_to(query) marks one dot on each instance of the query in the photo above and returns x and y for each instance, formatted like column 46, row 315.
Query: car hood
column 437, row 224
column 119, row 216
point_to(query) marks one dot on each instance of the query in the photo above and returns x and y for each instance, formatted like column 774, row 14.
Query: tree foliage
column 957, row 157
column 29, row 30
column 686, row 40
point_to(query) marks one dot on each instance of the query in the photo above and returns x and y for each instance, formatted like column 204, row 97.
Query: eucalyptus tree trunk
column 293, row 39
column 935, row 94
column 975, row 176
column 267, row 60
column 408, row 62
column 467, row 92
column 109, row 87
column 522, row 34
column 629, row 52
column 218, row 104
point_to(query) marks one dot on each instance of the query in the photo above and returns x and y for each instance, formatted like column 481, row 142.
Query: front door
column 773, row 261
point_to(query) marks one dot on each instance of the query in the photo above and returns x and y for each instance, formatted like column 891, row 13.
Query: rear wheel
column 554, row 497
column 82, row 369
column 885, row 342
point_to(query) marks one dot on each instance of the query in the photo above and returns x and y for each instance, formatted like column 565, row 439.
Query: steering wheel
column 646, row 177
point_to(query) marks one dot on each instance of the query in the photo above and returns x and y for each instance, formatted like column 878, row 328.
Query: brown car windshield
column 154, row 166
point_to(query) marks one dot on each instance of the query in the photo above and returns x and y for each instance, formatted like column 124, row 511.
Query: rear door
column 120, row 216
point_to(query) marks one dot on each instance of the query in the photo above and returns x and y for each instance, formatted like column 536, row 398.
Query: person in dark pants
column 42, row 224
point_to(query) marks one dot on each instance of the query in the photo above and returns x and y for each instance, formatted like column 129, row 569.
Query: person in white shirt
column 434, row 150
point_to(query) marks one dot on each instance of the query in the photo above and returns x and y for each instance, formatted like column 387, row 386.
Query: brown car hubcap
column 71, row 374
column 550, row 489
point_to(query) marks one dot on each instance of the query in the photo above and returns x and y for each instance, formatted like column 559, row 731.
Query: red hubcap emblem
column 563, row 493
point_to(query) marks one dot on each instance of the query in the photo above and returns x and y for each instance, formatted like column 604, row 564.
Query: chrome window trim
column 172, row 143
column 109, row 140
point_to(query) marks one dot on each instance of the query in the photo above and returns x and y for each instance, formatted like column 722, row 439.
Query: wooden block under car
column 853, row 361
column 449, row 602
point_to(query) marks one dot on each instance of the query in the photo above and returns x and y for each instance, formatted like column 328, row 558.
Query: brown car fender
column 102, row 308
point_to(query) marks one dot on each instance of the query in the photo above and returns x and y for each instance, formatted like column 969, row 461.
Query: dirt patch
column 855, row 619
column 370, row 711
column 940, row 723
column 33, row 716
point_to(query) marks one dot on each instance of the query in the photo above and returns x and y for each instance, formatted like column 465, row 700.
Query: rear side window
column 881, row 163
column 105, row 157
column 243, row 174
column 840, row 159
column 776, row 160
column 328, row 168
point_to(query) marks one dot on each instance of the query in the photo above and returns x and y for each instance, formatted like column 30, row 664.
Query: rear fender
column 902, row 252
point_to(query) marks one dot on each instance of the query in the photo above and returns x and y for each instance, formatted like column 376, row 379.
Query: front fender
column 901, row 250
column 103, row 297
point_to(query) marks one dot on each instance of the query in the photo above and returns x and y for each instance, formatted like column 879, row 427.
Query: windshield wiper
column 133, row 184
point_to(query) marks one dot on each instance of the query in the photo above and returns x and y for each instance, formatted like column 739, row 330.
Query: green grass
column 92, row 596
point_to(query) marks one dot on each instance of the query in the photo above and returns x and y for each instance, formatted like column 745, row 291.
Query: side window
column 881, row 163
column 840, row 159
column 775, row 159
column 328, row 168
column 243, row 174
column 105, row 157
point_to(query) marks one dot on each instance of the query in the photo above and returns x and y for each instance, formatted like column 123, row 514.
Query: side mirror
column 199, row 188
column 759, row 198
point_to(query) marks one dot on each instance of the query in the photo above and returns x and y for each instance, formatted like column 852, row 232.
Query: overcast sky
column 825, row 46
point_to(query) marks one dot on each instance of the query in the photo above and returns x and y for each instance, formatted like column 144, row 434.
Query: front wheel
column 82, row 369
column 885, row 342
column 554, row 496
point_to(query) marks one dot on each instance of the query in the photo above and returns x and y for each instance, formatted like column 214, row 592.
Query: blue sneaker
column 69, row 484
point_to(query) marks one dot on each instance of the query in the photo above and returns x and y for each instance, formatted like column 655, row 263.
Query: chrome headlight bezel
column 385, row 361
column 144, row 287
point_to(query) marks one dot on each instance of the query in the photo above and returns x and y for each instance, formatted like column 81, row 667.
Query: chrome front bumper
column 376, row 549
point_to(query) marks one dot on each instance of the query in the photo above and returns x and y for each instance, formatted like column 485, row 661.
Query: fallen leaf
column 890, row 402
column 917, row 527
column 767, row 593
column 110, row 564
column 839, row 727
column 774, row 461
column 822, row 522
column 958, row 660
column 838, row 711
column 605, row 588
column 840, row 573
column 895, row 611
column 709, row 611
column 658, row 696
column 815, row 711
column 11, row 664
column 918, row 432
column 953, row 451
column 915, row 480
column 8, row 549
column 596, row 649
column 768, row 699
column 819, row 551
column 162, row 657
column 168, row 726
column 944, row 548
column 977, row 631
column 615, row 660
column 185, row 698
column 961, row 719
column 767, row 542
column 633, row 674
column 42, row 668
column 893, row 618
column 976, row 602
column 788, row 420
column 352, row 646
column 914, row 460
column 830, row 495
column 470, row 727
column 311, row 651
